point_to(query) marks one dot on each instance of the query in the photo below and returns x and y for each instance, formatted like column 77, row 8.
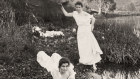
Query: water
column 134, row 21
column 113, row 71
column 130, row 21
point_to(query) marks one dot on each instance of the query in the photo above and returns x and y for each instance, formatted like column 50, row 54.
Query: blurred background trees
column 49, row 10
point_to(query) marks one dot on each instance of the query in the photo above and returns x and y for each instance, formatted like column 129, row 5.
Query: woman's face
column 64, row 67
column 79, row 8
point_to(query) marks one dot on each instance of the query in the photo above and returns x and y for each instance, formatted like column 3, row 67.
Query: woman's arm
column 72, row 76
column 71, row 72
column 92, row 23
column 65, row 12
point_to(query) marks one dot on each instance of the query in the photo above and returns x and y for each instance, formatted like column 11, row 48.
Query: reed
column 18, row 47
column 14, row 40
column 120, row 44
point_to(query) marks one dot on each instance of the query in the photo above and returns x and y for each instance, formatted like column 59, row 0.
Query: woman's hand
column 92, row 27
column 92, row 23
column 73, row 30
column 60, row 4
column 66, row 13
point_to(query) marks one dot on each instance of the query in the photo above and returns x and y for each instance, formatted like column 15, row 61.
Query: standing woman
column 89, row 50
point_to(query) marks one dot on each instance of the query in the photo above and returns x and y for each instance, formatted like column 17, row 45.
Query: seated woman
column 60, row 67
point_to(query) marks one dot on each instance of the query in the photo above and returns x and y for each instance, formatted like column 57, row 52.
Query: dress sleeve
column 55, row 59
column 91, row 16
column 55, row 74
column 45, row 61
column 74, row 13
column 48, row 62
column 72, row 72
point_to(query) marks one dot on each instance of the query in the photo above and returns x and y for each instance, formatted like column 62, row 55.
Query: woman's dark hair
column 62, row 61
column 79, row 3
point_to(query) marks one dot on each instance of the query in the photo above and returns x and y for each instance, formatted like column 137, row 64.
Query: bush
column 14, row 40
column 18, row 47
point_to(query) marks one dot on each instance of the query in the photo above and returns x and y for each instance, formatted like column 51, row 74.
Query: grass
column 18, row 47
column 122, row 14
column 120, row 44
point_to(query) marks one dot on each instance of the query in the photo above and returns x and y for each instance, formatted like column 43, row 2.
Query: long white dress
column 89, row 50
column 51, row 64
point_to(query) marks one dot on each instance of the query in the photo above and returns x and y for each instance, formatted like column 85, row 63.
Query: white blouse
column 83, row 18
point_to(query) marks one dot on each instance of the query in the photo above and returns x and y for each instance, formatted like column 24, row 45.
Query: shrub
column 14, row 40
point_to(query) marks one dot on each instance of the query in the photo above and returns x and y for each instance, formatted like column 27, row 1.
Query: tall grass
column 118, row 42
column 18, row 47
column 14, row 40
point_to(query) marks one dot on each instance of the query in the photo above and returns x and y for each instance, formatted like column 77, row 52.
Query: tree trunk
column 100, row 7
column 100, row 11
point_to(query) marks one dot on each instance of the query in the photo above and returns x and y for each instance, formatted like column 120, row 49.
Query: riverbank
column 122, row 14
column 19, row 47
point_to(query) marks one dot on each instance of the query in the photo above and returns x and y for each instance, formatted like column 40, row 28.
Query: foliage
column 23, row 10
column 111, row 5
column 14, row 40
column 119, row 44
column 130, row 7
column 105, row 5
column 18, row 46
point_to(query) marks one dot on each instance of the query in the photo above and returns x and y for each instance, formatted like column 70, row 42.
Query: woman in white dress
column 89, row 50
column 59, row 67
